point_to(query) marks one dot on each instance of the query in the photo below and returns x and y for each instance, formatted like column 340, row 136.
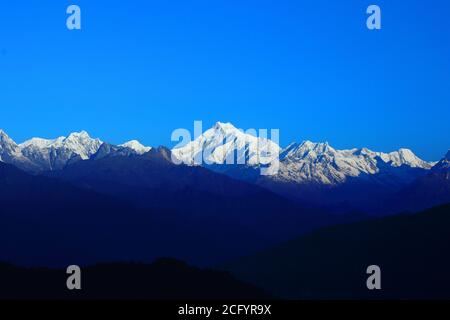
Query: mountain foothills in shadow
column 313, row 175
column 137, row 208
column 78, row 200
column 411, row 250
column 382, row 193
column 316, row 174
column 165, row 279
column 427, row 191
column 45, row 221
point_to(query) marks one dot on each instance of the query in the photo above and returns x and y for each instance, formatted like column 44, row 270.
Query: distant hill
column 137, row 208
column 411, row 250
column 427, row 191
column 312, row 174
column 235, row 213
column 165, row 279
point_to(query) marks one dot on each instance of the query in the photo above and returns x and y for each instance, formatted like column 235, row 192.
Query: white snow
column 136, row 146
column 224, row 143
column 79, row 143
column 321, row 163
column 10, row 151
column 299, row 162
column 42, row 143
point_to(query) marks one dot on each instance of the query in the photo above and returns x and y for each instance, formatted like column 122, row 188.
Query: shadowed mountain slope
column 139, row 208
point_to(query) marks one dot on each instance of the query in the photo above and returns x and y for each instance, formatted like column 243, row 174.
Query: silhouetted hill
column 165, row 279
column 411, row 250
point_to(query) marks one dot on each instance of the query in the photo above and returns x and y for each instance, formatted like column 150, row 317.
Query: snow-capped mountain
column 38, row 154
column 11, row 153
column 221, row 148
column 321, row 163
column 136, row 146
column 8, row 148
column 305, row 162
column 312, row 173
column 54, row 154
column 79, row 143
column 225, row 144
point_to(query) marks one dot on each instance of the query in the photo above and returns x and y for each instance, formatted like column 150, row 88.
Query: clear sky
column 142, row 68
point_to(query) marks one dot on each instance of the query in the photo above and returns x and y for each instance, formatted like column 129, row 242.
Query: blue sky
column 142, row 68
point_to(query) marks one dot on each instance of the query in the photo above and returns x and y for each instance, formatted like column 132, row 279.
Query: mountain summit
column 305, row 162
column 309, row 172
column 225, row 148
column 225, row 144
column 8, row 148
column 136, row 146
column 54, row 154
column 11, row 153
column 321, row 163
column 39, row 154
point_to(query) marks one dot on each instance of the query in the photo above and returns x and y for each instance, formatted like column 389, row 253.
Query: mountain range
column 119, row 206
column 316, row 174
column 313, row 174
column 304, row 162
column 38, row 155
column 80, row 200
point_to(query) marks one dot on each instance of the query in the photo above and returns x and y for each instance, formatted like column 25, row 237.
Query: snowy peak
column 78, row 136
column 38, row 154
column 225, row 144
column 305, row 149
column 221, row 130
column 136, row 146
column 54, row 154
column 82, row 144
column 8, row 148
column 321, row 163
column 225, row 127
column 10, row 152
column 41, row 143
column 404, row 157
column 5, row 140
column 79, row 143
column 300, row 162
column 397, row 158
